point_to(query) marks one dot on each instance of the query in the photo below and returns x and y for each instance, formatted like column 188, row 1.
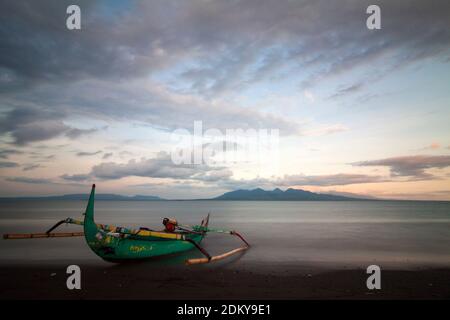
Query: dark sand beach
column 142, row 281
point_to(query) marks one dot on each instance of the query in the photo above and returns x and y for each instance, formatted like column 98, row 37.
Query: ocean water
column 355, row 233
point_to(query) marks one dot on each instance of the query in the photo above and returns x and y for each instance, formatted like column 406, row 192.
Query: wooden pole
column 42, row 235
column 215, row 258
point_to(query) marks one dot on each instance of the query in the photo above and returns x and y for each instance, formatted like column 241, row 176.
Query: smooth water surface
column 405, row 233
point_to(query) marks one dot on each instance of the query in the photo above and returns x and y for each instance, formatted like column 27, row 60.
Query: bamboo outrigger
column 118, row 244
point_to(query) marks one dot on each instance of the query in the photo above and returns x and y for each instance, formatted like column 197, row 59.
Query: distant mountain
column 100, row 196
column 280, row 195
column 244, row 195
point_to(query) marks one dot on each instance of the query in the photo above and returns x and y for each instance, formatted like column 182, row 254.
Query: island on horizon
column 257, row 194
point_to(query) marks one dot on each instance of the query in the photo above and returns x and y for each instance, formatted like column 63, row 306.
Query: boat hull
column 113, row 244
column 113, row 249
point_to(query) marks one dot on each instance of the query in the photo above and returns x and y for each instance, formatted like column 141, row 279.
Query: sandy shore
column 145, row 281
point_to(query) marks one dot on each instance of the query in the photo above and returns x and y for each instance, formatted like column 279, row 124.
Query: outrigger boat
column 118, row 244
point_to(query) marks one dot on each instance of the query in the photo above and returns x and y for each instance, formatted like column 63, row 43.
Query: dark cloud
column 29, row 180
column 8, row 164
column 107, row 155
column 51, row 52
column 208, row 48
column 348, row 90
column 235, row 42
column 330, row 179
column 86, row 154
column 263, row 40
column 410, row 166
column 75, row 132
column 160, row 167
column 163, row 167
column 5, row 153
column 152, row 104
column 43, row 158
column 32, row 124
column 29, row 124
column 29, row 167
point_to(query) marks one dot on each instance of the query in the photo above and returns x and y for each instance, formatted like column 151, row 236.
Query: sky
column 350, row 110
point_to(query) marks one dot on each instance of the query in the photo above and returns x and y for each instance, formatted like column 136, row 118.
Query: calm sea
column 405, row 234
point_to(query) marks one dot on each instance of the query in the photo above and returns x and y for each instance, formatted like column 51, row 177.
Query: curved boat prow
column 90, row 228
column 89, row 214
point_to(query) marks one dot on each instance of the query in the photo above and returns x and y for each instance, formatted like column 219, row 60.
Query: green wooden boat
column 118, row 244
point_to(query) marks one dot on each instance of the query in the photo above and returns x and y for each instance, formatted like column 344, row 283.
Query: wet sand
column 145, row 281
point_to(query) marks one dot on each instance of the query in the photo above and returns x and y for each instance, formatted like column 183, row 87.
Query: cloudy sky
column 358, row 111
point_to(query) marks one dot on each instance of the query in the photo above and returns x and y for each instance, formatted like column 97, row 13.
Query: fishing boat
column 119, row 244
